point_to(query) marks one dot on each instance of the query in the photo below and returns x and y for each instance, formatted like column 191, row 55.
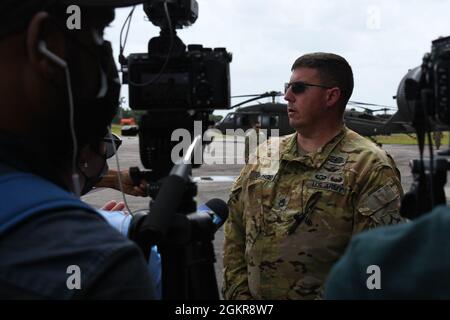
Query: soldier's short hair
column 334, row 71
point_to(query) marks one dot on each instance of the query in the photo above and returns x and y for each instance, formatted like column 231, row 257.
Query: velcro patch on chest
column 328, row 186
column 337, row 159
column 281, row 202
column 323, row 176
column 332, row 168
column 255, row 175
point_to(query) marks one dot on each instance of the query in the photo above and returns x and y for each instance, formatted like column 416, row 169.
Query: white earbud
column 42, row 47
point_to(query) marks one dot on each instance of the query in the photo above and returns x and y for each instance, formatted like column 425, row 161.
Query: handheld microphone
column 217, row 209
column 214, row 211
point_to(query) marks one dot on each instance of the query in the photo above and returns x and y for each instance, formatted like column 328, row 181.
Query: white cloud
column 265, row 37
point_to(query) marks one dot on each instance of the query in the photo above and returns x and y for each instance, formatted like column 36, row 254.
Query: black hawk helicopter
column 273, row 115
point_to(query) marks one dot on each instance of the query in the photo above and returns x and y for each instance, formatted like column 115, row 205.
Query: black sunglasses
column 109, row 144
column 298, row 87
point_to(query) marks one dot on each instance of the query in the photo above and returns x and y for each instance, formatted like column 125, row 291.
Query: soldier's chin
column 295, row 124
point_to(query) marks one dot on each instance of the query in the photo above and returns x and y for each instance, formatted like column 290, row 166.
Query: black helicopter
column 273, row 115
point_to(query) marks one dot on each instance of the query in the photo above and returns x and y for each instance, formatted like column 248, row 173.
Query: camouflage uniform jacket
column 290, row 224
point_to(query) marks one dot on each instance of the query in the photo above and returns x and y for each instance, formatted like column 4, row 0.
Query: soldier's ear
column 333, row 96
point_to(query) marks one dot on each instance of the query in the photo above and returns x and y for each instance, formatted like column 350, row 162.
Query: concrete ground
column 223, row 176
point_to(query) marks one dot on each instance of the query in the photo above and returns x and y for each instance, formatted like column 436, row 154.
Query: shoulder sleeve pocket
column 379, row 199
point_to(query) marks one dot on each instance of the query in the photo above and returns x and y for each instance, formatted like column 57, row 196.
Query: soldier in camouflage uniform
column 294, row 208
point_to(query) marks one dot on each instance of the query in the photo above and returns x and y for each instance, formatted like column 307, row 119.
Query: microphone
column 217, row 209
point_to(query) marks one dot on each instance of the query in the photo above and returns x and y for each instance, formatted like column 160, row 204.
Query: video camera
column 176, row 85
column 423, row 98
column 425, row 90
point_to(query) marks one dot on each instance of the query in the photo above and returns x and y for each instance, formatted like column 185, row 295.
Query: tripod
column 183, row 236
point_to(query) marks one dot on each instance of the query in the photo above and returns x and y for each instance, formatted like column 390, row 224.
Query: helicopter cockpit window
column 270, row 121
column 229, row 118
column 367, row 116
column 242, row 120
column 274, row 121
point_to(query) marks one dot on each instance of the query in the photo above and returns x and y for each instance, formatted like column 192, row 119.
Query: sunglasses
column 109, row 144
column 298, row 87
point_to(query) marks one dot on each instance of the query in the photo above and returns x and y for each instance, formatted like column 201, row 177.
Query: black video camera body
column 426, row 88
column 177, row 85
column 423, row 99
column 198, row 79
column 438, row 67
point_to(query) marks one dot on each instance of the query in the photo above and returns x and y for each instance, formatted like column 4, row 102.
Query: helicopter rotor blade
column 246, row 96
column 261, row 96
column 382, row 109
column 247, row 101
column 356, row 103
column 268, row 93
column 358, row 106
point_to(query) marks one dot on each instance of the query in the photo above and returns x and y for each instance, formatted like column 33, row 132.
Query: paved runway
column 224, row 173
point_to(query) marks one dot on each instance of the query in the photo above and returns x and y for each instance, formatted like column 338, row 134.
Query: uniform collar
column 312, row 159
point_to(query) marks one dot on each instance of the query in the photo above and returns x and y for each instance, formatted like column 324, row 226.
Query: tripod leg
column 202, row 275
column 175, row 285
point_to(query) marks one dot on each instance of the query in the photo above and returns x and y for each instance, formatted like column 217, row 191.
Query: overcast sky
column 380, row 39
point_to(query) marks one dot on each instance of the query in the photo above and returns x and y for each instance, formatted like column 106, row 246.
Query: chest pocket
column 332, row 212
column 256, row 197
column 278, row 207
column 270, row 204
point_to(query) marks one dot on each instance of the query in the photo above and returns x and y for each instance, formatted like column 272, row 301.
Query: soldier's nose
column 288, row 97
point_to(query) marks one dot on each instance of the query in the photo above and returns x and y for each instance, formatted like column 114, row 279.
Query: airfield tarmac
column 215, row 180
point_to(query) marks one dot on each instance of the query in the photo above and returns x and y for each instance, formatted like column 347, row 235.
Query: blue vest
column 24, row 195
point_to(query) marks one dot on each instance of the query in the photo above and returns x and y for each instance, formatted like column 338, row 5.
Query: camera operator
column 45, row 230
column 93, row 167
column 109, row 178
